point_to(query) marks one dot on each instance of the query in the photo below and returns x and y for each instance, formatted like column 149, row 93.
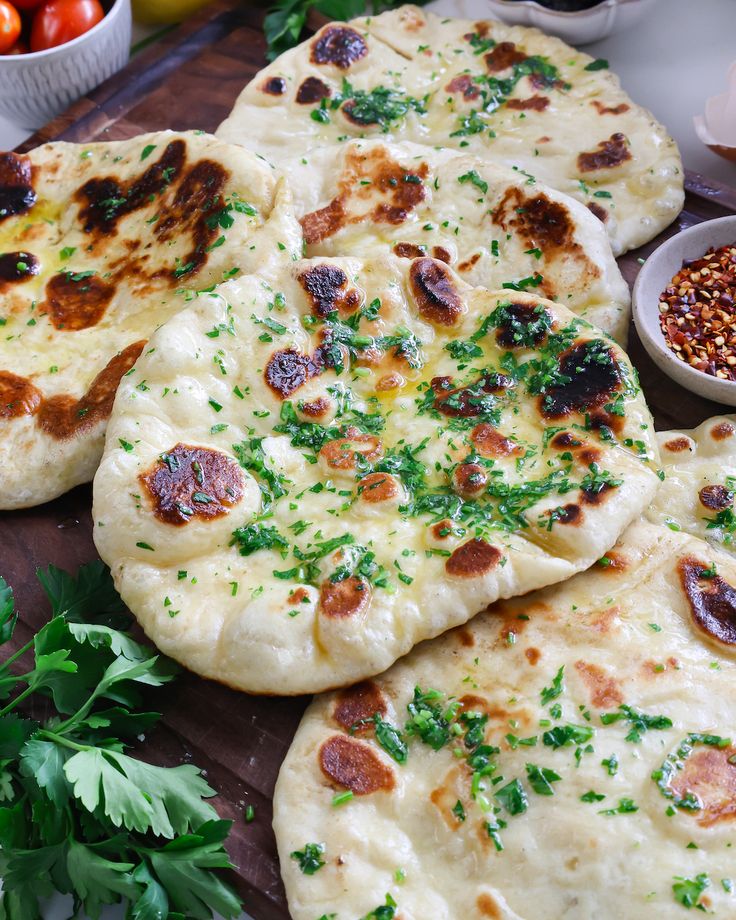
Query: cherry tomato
column 26, row 5
column 20, row 47
column 9, row 26
column 59, row 21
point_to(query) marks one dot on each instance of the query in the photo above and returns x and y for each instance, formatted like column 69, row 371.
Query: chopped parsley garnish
column 566, row 735
column 430, row 717
column 252, row 457
column 473, row 177
column 556, row 689
column 463, row 350
column 625, row 807
column 386, row 912
column 381, row 105
column 252, row 537
column 391, row 739
column 523, row 284
column 310, row 858
column 640, row 722
column 687, row 891
column 224, row 217
column 512, row 797
column 611, row 765
column 597, row 64
column 541, row 779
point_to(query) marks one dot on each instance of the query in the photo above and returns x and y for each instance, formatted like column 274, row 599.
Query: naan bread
column 302, row 480
column 602, row 712
column 697, row 494
column 95, row 243
column 506, row 93
column 495, row 226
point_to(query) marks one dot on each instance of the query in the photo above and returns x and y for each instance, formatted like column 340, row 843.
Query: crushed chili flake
column 697, row 313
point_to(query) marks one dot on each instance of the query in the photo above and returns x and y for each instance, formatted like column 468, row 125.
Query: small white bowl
column 654, row 277
column 579, row 28
column 37, row 86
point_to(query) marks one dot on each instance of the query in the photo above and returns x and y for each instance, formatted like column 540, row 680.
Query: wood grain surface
column 190, row 79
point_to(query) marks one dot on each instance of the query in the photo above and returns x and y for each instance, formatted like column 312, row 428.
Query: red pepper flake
column 697, row 313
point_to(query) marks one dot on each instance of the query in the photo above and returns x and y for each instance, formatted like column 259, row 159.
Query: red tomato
column 26, row 4
column 9, row 26
column 59, row 21
column 20, row 47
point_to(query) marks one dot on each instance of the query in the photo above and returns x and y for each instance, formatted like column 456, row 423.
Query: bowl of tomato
column 54, row 51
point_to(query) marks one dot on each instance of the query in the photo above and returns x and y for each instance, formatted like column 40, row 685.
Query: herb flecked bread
column 302, row 479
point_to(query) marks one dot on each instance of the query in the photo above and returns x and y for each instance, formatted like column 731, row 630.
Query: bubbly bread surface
column 494, row 225
column 568, row 754
column 505, row 93
column 99, row 245
column 305, row 477
column 697, row 493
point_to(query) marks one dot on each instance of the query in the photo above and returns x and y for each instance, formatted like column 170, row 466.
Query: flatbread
column 285, row 528
column 506, row 93
column 495, row 226
column 639, row 811
column 95, row 242
column 697, row 494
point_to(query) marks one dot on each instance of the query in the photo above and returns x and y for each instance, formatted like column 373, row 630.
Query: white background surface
column 670, row 63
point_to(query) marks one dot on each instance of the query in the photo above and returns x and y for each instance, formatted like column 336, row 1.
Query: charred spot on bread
column 589, row 377
column 712, row 600
column 18, row 396
column 63, row 416
column 312, row 90
column 434, row 292
column 357, row 704
column 77, row 301
column 327, row 289
column 473, row 559
column 610, row 153
column 16, row 267
column 17, row 195
column 188, row 483
column 717, row 498
column 338, row 45
column 274, row 86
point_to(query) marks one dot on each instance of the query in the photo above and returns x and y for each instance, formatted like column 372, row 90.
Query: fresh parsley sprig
column 77, row 813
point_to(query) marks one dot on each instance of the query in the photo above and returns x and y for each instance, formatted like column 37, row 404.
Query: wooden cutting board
column 190, row 79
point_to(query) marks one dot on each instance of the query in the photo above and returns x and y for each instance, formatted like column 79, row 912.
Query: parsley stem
column 81, row 713
column 21, row 651
column 53, row 736
column 19, row 699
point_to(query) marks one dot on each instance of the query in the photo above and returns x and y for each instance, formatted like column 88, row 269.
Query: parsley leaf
column 512, row 797
column 310, row 858
column 80, row 813
column 687, row 891
column 541, row 779
column 640, row 722
column 556, row 689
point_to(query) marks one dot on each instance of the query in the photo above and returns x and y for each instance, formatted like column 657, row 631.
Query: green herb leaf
column 687, row 891
column 310, row 858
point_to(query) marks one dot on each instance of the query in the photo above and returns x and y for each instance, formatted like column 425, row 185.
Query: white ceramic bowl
column 579, row 28
column 654, row 277
column 37, row 86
